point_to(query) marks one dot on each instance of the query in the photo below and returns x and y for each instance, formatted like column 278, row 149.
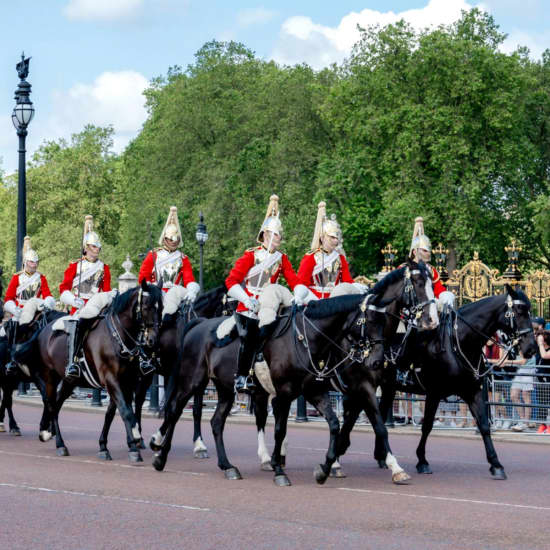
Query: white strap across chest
column 323, row 262
column 176, row 255
column 90, row 272
column 266, row 264
column 26, row 284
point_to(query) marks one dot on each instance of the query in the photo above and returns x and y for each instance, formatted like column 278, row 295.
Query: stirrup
column 244, row 384
column 72, row 371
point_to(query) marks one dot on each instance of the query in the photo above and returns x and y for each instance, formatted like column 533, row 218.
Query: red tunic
column 147, row 271
column 70, row 274
column 437, row 284
column 305, row 274
column 43, row 292
column 246, row 262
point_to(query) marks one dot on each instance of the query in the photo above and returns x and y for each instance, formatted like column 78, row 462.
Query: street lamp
column 23, row 113
column 202, row 236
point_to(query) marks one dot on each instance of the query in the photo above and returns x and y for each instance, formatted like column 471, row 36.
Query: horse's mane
column 209, row 298
column 472, row 306
column 392, row 277
column 319, row 309
column 122, row 301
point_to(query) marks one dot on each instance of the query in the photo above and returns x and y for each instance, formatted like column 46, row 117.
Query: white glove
column 446, row 298
column 237, row 292
column 361, row 287
column 301, row 294
column 49, row 302
column 193, row 290
column 11, row 307
column 252, row 304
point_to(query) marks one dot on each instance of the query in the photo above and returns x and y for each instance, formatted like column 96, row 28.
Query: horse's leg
column 351, row 413
column 261, row 399
column 199, row 448
column 226, row 397
column 479, row 412
column 386, row 403
column 133, row 434
column 430, row 409
column 103, row 452
column 368, row 397
column 8, row 399
column 139, row 399
column 281, row 410
column 161, row 443
column 55, row 405
column 2, row 407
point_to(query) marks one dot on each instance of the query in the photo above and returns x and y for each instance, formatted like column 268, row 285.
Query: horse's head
column 515, row 320
column 410, row 287
column 147, row 312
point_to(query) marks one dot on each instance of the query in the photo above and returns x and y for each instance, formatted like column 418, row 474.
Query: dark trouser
column 72, row 342
column 249, row 334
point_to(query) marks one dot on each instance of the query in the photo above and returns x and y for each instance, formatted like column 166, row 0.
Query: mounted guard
column 82, row 280
column 168, row 264
column 24, row 285
column 421, row 250
column 256, row 269
column 325, row 267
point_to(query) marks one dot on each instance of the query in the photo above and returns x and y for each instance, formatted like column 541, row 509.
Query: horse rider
column 24, row 285
column 325, row 266
column 168, row 264
column 421, row 250
column 256, row 269
column 82, row 279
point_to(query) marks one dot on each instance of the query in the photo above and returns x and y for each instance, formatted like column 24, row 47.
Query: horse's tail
column 182, row 330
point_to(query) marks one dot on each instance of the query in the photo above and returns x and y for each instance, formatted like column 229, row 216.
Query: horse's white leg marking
column 263, row 453
column 391, row 463
column 284, row 446
column 135, row 432
column 336, row 464
column 199, row 445
column 45, row 435
column 158, row 438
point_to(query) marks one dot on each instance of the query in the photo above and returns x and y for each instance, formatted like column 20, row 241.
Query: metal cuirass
column 86, row 288
column 167, row 266
column 31, row 291
column 327, row 276
column 263, row 278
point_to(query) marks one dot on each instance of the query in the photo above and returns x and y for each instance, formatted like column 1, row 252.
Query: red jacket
column 246, row 262
column 147, row 270
column 437, row 284
column 43, row 291
column 305, row 273
column 70, row 274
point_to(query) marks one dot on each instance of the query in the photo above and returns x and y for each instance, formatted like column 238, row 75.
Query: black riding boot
column 72, row 371
column 248, row 332
column 12, row 368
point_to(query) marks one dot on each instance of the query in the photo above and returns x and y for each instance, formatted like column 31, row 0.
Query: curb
column 529, row 438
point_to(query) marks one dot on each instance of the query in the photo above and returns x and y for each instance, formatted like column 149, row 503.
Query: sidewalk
column 84, row 405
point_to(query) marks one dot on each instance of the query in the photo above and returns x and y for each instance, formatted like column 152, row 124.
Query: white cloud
column 302, row 40
column 537, row 42
column 103, row 10
column 112, row 99
column 254, row 16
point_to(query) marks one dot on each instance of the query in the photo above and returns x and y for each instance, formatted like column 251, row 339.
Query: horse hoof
column 424, row 469
column 62, row 451
column 319, row 475
column 134, row 457
column 2, row 427
column 153, row 446
column 200, row 454
column 104, row 455
column 382, row 465
column 15, row 431
column 141, row 444
column 159, row 461
column 337, row 472
column 232, row 473
column 45, row 435
column 282, row 481
column 266, row 467
column 498, row 473
column 401, row 478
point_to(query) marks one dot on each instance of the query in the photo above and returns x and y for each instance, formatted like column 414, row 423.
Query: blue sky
column 91, row 59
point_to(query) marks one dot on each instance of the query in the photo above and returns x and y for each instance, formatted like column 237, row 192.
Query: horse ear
column 143, row 284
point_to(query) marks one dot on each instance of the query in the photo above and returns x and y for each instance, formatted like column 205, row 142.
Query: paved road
column 79, row 502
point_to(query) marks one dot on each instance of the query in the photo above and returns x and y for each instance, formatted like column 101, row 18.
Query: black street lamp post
column 23, row 113
column 201, row 236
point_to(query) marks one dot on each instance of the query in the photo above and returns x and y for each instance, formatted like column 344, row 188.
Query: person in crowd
column 543, row 398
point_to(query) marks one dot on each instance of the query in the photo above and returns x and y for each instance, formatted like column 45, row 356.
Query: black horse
column 295, row 369
column 113, row 342
column 452, row 363
column 209, row 304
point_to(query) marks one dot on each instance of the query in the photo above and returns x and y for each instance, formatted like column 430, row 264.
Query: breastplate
column 263, row 278
column 92, row 284
column 168, row 271
column 31, row 291
column 328, row 275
